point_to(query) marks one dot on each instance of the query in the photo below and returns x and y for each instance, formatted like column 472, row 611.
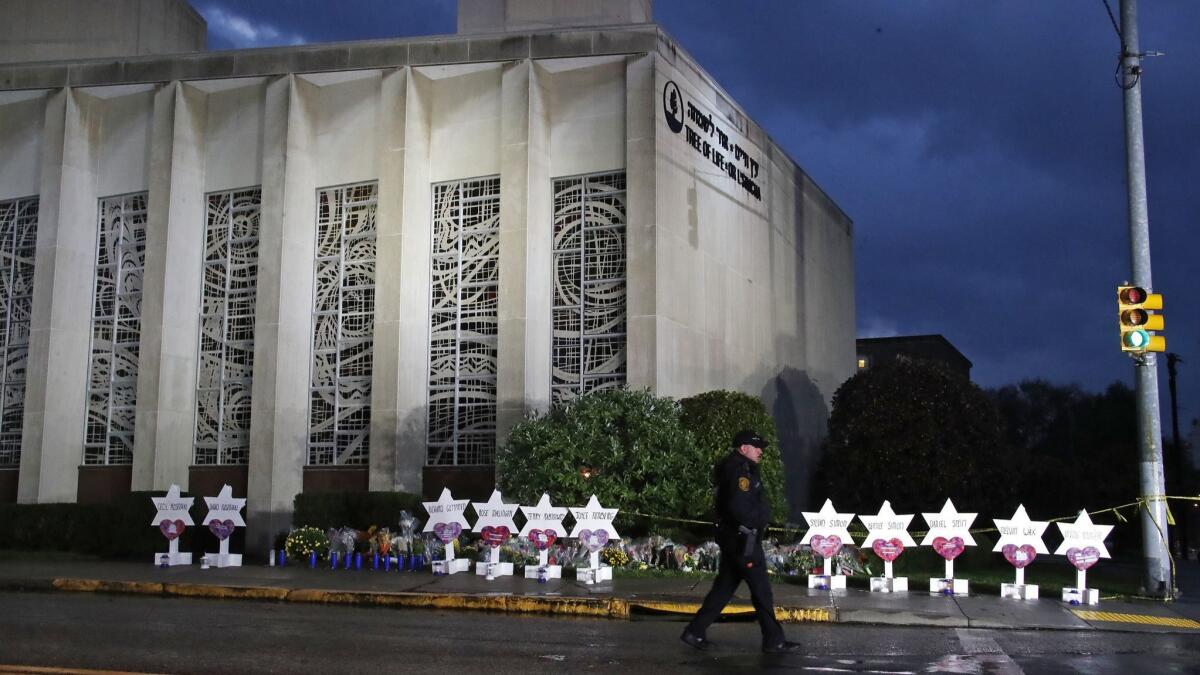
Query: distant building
column 933, row 348
column 356, row 265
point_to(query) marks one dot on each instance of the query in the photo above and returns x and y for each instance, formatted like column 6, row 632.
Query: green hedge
column 359, row 510
column 121, row 529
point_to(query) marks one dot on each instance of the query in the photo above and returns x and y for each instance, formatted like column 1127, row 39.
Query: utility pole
column 1154, row 516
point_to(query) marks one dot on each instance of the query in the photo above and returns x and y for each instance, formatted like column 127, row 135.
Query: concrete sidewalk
column 623, row 598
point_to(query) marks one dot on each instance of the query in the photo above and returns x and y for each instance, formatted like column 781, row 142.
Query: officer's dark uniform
column 740, row 501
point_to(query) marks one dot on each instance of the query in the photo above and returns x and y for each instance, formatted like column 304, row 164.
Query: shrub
column 303, row 541
column 358, row 510
column 713, row 418
column 120, row 529
column 639, row 456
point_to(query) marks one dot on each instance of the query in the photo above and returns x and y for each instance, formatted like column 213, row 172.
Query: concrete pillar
column 62, row 300
column 517, row 124
column 37, row 370
column 170, row 301
column 386, row 375
column 282, row 344
column 412, row 362
column 641, row 229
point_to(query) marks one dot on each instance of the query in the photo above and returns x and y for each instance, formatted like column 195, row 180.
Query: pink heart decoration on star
column 171, row 529
column 1083, row 558
column 543, row 539
column 1019, row 556
column 949, row 548
column 221, row 529
column 494, row 535
column 594, row 541
column 888, row 550
column 827, row 547
column 447, row 532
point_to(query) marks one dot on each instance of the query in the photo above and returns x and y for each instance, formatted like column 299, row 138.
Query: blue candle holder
column 387, row 563
column 282, row 559
column 312, row 560
column 333, row 560
column 358, row 561
column 349, row 560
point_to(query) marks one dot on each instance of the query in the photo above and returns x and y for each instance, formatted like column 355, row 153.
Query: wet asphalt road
column 172, row 635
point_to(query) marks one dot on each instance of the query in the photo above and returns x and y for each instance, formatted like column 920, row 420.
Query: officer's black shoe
column 784, row 647
column 696, row 641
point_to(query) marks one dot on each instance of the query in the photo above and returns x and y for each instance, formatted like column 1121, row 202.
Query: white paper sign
column 594, row 518
column 1081, row 535
column 544, row 517
column 1021, row 531
column 172, row 507
column 828, row 529
column 949, row 523
column 225, row 507
column 887, row 525
column 495, row 513
column 447, row 512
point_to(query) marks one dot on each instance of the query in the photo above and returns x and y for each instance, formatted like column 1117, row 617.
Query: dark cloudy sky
column 978, row 146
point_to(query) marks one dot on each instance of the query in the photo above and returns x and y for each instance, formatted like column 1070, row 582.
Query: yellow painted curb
column 607, row 608
column 1145, row 619
column 786, row 614
column 225, row 592
column 100, row 586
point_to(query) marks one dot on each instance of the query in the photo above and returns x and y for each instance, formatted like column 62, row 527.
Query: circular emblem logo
column 673, row 106
column 744, row 484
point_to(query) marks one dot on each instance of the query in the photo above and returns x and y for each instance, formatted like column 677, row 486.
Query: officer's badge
column 744, row 484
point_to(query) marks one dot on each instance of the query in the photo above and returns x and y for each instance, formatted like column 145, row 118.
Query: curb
column 607, row 608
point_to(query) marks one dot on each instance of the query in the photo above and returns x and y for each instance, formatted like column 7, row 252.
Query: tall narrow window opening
column 343, row 326
column 18, row 247
column 226, row 359
column 463, row 317
column 589, row 338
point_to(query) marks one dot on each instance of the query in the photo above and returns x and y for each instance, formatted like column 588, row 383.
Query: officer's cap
column 748, row 437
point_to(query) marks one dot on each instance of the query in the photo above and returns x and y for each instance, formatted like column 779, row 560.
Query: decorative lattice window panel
column 339, row 414
column 588, row 350
column 226, row 358
column 116, row 330
column 463, row 314
column 18, row 244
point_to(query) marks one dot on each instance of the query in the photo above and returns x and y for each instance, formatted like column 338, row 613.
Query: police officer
column 742, row 517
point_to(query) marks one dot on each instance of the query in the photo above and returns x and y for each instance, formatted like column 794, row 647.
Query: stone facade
column 738, row 269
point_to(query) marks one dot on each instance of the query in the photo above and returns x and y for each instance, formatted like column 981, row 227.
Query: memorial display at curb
column 1020, row 541
column 1083, row 545
column 543, row 526
column 447, row 520
column 224, row 516
column 827, row 533
column 495, row 525
column 172, row 518
column 949, row 535
column 887, row 536
column 593, row 528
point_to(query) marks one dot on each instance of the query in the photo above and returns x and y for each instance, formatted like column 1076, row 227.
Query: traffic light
column 1134, row 307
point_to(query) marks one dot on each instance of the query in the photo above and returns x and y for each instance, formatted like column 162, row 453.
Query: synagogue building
column 355, row 266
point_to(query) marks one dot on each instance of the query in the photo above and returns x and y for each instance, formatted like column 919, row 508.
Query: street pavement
column 82, row 633
column 622, row 598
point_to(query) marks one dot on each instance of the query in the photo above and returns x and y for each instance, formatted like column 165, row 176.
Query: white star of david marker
column 949, row 523
column 446, row 509
column 1020, row 530
column 495, row 513
column 887, row 525
column 544, row 517
column 828, row 522
column 225, row 507
column 594, row 517
column 1083, row 533
column 172, row 507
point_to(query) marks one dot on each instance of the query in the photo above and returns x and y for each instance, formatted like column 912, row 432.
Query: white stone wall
column 725, row 290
